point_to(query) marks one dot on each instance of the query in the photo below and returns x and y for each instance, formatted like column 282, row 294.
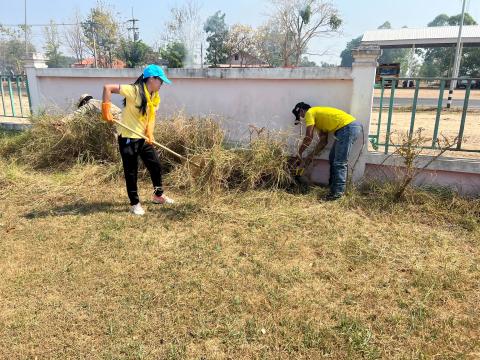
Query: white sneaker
column 137, row 210
column 162, row 200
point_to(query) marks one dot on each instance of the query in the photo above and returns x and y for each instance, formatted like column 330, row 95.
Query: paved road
column 472, row 104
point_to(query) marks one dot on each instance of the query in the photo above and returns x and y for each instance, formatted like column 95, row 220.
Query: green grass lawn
column 247, row 275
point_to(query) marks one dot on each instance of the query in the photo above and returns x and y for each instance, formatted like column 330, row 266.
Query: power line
column 30, row 25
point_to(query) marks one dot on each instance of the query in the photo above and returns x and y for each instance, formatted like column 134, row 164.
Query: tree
column 12, row 49
column 74, row 38
column 305, row 62
column 346, row 55
column 175, row 53
column 385, row 25
column 241, row 41
column 136, row 53
column 101, row 33
column 185, row 27
column 268, row 43
column 217, row 34
column 439, row 61
column 301, row 21
column 55, row 58
column 324, row 64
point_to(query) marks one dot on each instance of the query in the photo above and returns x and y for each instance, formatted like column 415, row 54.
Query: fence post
column 32, row 63
column 364, row 68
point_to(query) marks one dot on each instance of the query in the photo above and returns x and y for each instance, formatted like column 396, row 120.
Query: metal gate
column 14, row 96
column 381, row 139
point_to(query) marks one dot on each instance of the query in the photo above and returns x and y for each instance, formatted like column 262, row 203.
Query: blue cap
column 155, row 70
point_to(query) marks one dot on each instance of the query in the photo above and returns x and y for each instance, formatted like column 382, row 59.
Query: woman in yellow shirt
column 141, row 102
column 346, row 129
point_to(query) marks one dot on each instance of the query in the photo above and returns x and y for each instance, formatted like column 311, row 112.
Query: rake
column 163, row 147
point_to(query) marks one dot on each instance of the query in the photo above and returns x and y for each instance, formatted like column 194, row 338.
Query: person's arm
column 108, row 90
column 307, row 140
column 82, row 110
column 322, row 142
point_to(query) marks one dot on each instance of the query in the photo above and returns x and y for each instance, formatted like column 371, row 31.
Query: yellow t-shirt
column 327, row 119
column 131, row 115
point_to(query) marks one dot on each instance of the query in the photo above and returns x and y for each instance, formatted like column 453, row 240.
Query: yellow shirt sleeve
column 309, row 119
column 129, row 92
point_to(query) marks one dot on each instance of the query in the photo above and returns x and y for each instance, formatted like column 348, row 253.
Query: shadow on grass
column 78, row 209
column 176, row 212
column 179, row 212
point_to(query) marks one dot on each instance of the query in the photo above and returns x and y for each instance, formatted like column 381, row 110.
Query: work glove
column 106, row 113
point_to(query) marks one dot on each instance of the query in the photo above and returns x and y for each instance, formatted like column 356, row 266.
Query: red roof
column 90, row 62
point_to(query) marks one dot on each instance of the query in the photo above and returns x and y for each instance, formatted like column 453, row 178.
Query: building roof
column 422, row 37
column 89, row 62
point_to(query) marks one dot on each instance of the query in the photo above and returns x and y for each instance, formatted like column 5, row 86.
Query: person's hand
column 299, row 161
column 106, row 112
column 149, row 135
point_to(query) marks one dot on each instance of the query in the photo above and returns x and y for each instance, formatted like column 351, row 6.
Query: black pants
column 131, row 150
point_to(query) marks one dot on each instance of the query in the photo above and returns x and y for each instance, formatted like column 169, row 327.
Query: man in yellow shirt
column 346, row 130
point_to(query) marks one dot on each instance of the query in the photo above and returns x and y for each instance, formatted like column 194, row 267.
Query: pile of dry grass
column 53, row 143
column 261, row 164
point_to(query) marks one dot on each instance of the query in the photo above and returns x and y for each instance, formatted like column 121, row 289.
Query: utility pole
column 26, row 43
column 458, row 58
column 135, row 35
column 94, row 27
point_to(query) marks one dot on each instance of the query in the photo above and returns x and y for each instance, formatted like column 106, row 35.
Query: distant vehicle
column 387, row 70
column 463, row 83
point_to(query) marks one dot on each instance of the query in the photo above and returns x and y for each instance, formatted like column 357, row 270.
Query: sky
column 358, row 16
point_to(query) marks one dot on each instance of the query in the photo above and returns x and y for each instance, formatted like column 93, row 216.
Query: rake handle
column 155, row 143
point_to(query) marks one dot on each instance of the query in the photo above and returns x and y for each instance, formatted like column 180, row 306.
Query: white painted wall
column 261, row 97
column 261, row 102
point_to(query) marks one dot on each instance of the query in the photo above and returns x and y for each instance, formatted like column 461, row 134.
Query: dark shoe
column 333, row 196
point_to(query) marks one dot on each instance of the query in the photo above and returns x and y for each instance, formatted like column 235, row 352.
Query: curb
column 15, row 126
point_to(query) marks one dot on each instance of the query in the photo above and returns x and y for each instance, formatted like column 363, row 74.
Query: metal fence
column 415, row 84
column 15, row 96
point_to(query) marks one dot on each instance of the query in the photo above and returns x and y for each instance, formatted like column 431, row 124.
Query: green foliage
column 305, row 62
column 335, row 22
column 12, row 48
column 346, row 55
column 269, row 44
column 101, row 31
column 439, row 61
column 175, row 53
column 55, row 58
column 217, row 34
column 136, row 53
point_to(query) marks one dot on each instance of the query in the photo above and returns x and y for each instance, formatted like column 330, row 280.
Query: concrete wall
column 261, row 97
column 462, row 175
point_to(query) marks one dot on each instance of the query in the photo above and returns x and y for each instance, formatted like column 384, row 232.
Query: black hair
column 140, row 90
column 296, row 111
column 84, row 101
